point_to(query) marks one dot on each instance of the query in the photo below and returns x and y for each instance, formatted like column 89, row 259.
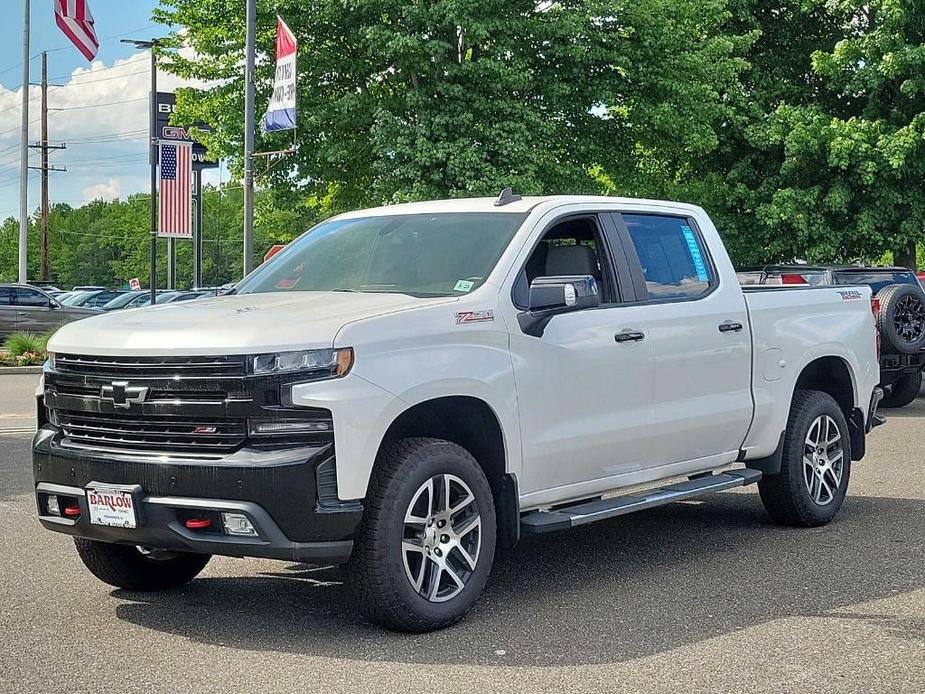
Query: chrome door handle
column 629, row 336
column 730, row 327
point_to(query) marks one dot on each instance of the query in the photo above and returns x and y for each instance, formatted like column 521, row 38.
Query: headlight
column 50, row 363
column 321, row 363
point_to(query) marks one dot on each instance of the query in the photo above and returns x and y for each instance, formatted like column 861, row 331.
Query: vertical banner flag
column 74, row 19
column 175, row 200
column 280, row 114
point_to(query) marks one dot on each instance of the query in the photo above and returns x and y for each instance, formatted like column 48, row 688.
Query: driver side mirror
column 550, row 296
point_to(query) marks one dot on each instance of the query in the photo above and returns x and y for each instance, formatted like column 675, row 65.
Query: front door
column 34, row 312
column 583, row 388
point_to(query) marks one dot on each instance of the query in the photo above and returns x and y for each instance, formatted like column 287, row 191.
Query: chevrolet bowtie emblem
column 123, row 395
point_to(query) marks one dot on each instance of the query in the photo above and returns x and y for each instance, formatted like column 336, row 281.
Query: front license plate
column 113, row 506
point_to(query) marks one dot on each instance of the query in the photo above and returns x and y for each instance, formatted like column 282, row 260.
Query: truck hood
column 237, row 324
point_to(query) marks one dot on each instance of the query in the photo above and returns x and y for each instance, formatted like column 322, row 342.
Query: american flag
column 176, row 194
column 74, row 19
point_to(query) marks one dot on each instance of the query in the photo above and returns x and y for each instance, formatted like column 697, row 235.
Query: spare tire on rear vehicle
column 901, row 320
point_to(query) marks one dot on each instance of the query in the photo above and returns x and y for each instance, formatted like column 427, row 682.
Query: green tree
column 824, row 158
column 107, row 243
column 407, row 100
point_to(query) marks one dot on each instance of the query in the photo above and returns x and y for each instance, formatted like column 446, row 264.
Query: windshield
column 419, row 254
column 75, row 299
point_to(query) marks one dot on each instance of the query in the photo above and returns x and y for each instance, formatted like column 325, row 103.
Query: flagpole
column 249, row 50
column 152, row 154
column 24, row 152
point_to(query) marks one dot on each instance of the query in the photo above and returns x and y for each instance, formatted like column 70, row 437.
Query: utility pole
column 43, row 146
column 24, row 151
column 150, row 45
column 249, row 79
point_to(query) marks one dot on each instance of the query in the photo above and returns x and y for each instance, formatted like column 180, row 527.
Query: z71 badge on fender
column 474, row 317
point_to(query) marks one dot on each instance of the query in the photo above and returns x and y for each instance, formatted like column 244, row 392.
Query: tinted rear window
column 875, row 279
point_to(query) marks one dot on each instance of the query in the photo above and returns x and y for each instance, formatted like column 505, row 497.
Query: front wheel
column 815, row 466
column 139, row 568
column 428, row 539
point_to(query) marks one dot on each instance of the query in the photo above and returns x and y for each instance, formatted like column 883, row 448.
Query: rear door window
column 673, row 257
column 5, row 296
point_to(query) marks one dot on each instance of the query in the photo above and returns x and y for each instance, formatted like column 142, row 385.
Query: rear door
column 700, row 337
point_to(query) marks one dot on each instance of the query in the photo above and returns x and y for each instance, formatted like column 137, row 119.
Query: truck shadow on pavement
column 617, row 590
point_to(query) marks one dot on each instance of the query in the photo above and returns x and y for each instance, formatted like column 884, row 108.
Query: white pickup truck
column 405, row 389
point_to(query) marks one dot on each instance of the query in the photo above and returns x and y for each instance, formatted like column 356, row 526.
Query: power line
column 77, row 82
column 97, row 70
column 107, row 103
column 66, row 47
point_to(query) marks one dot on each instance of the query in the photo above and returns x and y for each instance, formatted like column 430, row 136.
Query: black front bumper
column 276, row 490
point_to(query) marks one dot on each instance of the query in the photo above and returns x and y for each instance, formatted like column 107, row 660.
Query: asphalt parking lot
column 703, row 596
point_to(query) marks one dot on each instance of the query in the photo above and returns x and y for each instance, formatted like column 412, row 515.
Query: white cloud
column 101, row 113
column 103, row 191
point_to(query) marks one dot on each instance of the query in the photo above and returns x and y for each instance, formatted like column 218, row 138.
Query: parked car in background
column 87, row 288
column 124, row 299
column 46, row 287
column 28, row 309
column 75, row 298
column 898, row 302
column 100, row 299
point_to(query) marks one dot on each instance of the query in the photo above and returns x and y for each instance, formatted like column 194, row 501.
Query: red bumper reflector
column 198, row 523
column 72, row 511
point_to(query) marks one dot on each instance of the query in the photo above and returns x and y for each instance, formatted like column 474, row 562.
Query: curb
column 19, row 370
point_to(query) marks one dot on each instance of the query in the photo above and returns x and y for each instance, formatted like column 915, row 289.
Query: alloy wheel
column 441, row 538
column 823, row 460
column 909, row 318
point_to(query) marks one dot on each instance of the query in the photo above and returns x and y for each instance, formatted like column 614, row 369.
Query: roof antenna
column 507, row 195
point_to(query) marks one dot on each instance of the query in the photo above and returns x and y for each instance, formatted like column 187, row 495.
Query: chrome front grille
column 183, row 406
column 151, row 434
column 150, row 366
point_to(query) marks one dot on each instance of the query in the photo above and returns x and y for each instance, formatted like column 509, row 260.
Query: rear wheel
column 903, row 391
column 815, row 466
column 139, row 568
column 428, row 538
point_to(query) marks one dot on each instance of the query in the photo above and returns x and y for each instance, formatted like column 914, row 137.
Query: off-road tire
column 785, row 495
column 903, row 391
column 125, row 566
column 376, row 574
column 891, row 298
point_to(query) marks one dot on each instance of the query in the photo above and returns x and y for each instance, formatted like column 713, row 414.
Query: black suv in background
column 27, row 309
column 899, row 307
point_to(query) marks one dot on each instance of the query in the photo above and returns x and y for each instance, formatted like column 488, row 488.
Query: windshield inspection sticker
column 474, row 317
column 696, row 256
column 463, row 286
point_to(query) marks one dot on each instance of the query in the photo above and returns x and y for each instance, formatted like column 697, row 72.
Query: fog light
column 289, row 426
column 238, row 524
column 52, row 505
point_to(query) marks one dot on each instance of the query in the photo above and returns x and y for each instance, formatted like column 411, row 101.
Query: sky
column 99, row 110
